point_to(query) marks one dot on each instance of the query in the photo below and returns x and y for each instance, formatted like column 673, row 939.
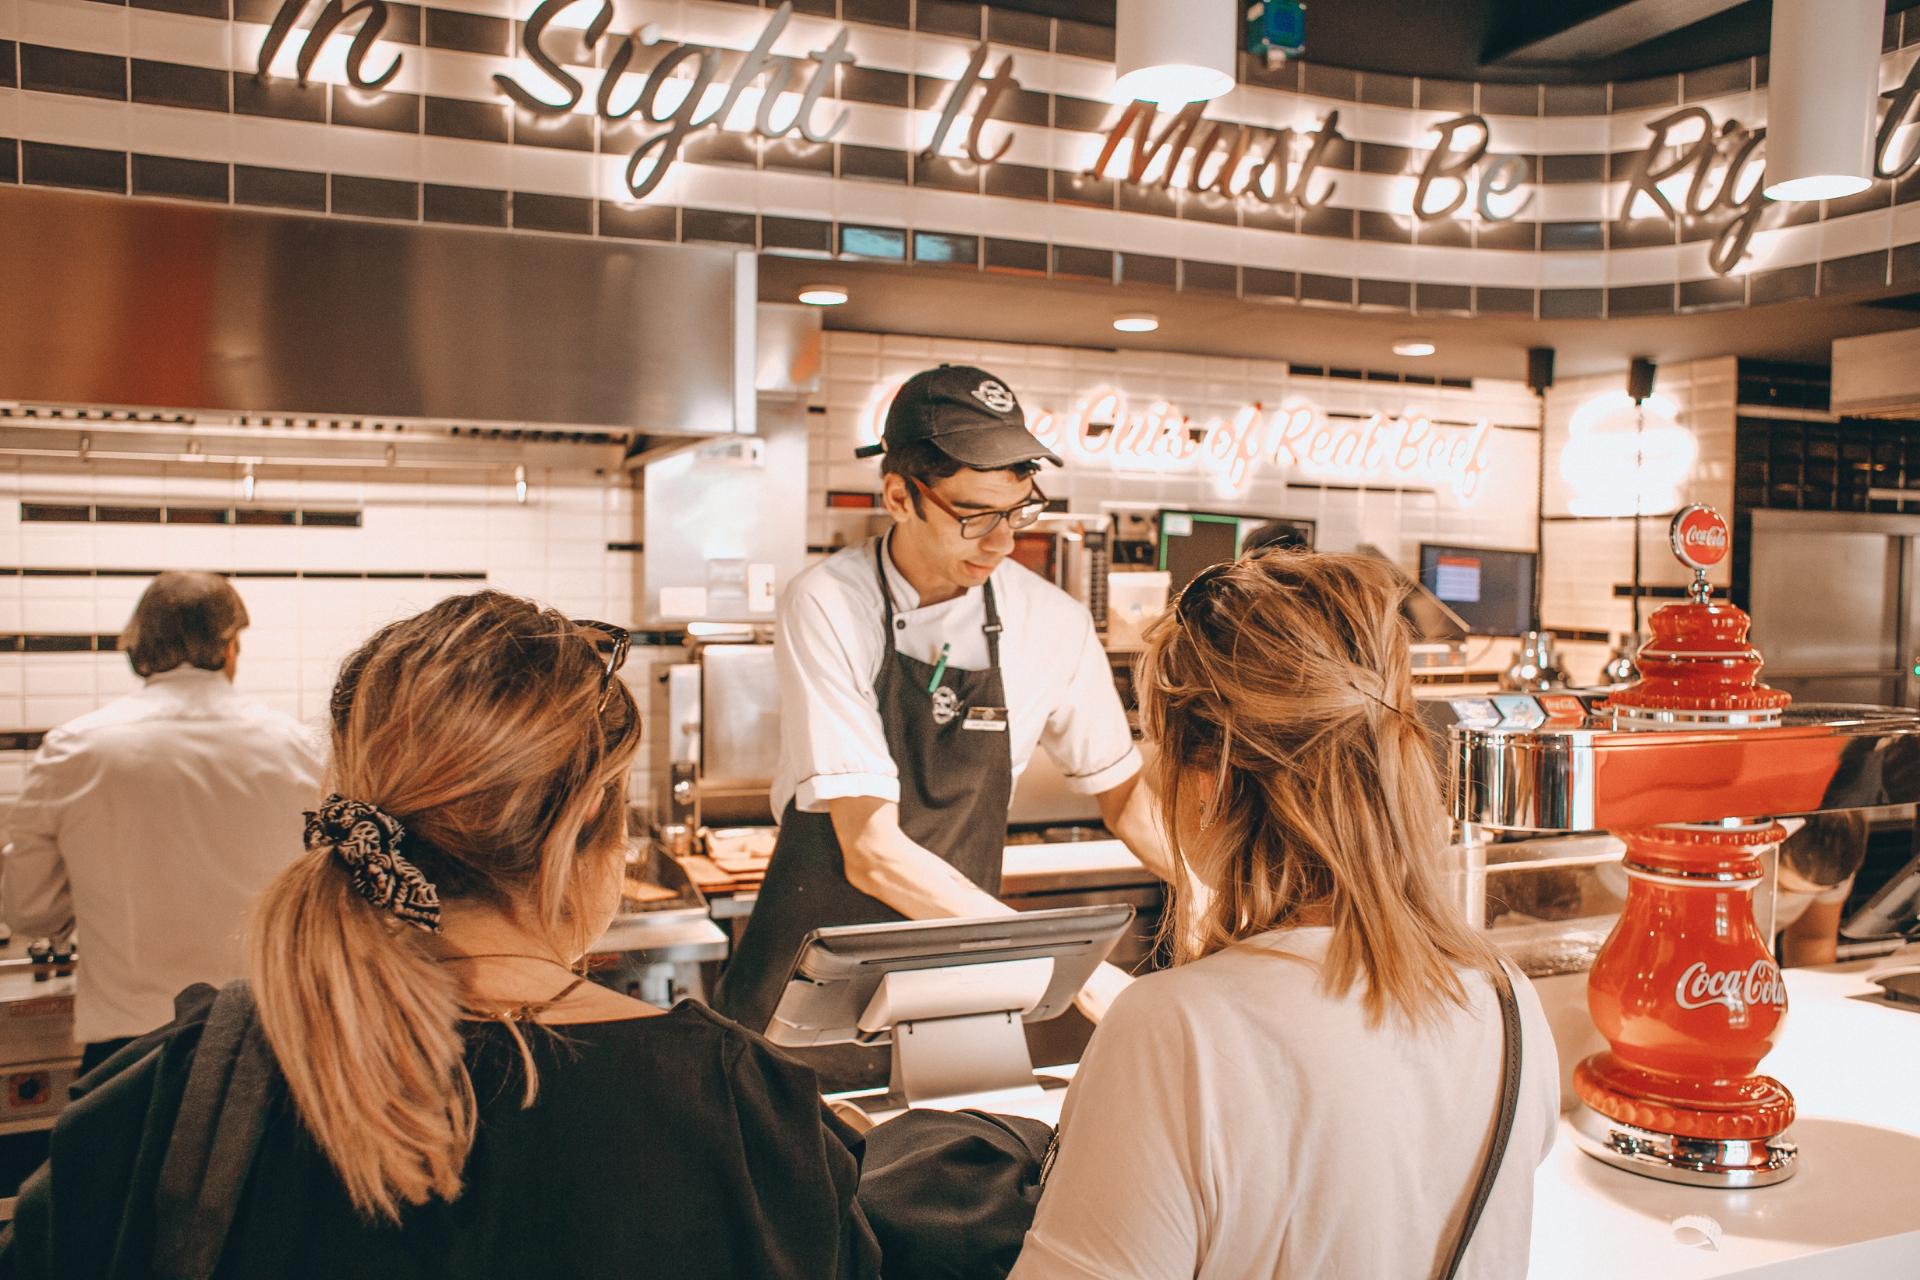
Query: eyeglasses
column 975, row 525
column 1197, row 587
column 611, row 643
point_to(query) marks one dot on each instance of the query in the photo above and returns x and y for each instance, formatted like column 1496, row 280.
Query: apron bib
column 947, row 734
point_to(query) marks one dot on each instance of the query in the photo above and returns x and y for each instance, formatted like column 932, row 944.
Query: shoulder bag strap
column 216, row 1133
column 1503, row 1121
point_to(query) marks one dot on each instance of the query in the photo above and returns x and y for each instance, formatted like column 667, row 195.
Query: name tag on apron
column 986, row 719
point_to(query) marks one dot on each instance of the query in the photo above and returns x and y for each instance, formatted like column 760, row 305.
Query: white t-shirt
column 155, row 822
column 1231, row 1121
column 828, row 649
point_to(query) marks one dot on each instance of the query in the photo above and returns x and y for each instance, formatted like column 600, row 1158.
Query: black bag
column 951, row 1194
column 149, row 1159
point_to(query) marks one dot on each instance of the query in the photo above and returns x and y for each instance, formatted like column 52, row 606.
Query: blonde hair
column 477, row 724
column 1287, row 677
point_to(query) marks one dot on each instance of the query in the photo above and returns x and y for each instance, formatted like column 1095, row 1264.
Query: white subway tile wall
column 351, row 580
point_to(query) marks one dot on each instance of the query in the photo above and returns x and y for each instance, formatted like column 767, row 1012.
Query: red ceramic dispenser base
column 1689, row 999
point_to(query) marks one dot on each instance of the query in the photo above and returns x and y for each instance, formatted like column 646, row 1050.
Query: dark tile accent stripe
column 564, row 133
column 191, row 8
column 878, row 163
column 89, row 75
column 878, row 13
column 1018, row 30
column 626, row 546
column 282, row 99
column 1083, row 39
column 869, row 84
column 1018, row 257
column 467, row 206
column 106, row 513
column 182, row 179
column 795, row 234
column 280, row 188
column 717, row 225
column 376, row 198
column 166, row 84
column 640, row 222
column 465, row 32
column 459, row 118
column 393, row 112
column 63, row 642
column 533, row 211
column 1086, row 264
column 19, row 739
column 44, row 164
column 948, row 18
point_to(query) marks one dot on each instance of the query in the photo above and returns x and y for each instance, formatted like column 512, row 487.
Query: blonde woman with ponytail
column 1312, row 1089
column 448, row 1096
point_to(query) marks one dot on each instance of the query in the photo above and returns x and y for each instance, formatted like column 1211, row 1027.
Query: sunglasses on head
column 1197, row 588
column 611, row 643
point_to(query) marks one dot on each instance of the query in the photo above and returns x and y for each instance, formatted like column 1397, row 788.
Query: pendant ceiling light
column 1823, row 87
column 1174, row 51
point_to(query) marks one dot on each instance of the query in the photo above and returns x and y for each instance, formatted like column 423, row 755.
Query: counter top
column 1852, row 1210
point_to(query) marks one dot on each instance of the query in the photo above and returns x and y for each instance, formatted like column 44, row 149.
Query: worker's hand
column 1102, row 989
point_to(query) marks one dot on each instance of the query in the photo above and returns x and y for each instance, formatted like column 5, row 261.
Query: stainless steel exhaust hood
column 252, row 316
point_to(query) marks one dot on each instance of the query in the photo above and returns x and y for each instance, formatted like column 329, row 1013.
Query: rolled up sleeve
column 833, row 744
column 1087, row 733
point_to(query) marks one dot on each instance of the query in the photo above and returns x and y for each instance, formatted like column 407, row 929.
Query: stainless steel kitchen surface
column 1835, row 606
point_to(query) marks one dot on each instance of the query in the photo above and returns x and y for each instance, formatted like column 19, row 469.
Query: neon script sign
column 1295, row 440
column 1713, row 174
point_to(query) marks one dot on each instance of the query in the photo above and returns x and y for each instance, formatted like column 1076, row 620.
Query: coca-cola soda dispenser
column 1689, row 767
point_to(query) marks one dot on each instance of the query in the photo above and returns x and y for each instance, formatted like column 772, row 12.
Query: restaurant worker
column 918, row 672
column 153, row 823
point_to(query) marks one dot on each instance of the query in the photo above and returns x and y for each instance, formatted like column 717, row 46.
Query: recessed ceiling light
column 1136, row 322
column 823, row 295
column 1414, row 347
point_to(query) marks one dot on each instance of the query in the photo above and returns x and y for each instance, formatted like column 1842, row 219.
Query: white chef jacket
column 154, row 823
column 828, row 650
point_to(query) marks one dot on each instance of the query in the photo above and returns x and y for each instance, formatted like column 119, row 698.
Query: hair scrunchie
column 366, row 840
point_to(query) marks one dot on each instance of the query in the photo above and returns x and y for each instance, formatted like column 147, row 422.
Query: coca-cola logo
column 1700, row 537
column 1737, row 989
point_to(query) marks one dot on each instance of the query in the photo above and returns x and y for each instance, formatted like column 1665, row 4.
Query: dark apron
column 955, row 786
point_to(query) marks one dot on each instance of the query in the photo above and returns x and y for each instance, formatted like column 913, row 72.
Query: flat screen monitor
column 838, row 970
column 1193, row 540
column 1491, row 590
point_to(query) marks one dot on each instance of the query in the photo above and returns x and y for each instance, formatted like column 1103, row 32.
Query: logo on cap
column 994, row 395
column 1700, row 537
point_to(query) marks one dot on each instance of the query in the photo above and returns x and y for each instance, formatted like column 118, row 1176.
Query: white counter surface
column 1853, row 1209
column 1068, row 856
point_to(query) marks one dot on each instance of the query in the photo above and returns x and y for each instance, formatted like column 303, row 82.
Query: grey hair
column 183, row 619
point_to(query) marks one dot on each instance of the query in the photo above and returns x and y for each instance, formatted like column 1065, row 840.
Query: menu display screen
column 1492, row 591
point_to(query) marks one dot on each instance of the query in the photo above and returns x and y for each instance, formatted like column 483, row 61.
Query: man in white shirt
column 152, row 823
column 918, row 673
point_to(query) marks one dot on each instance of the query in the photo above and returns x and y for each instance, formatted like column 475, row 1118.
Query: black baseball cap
column 967, row 413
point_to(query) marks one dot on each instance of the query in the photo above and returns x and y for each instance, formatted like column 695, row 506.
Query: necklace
column 529, row 1011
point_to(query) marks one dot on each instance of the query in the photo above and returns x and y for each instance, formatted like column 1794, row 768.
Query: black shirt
column 675, row 1146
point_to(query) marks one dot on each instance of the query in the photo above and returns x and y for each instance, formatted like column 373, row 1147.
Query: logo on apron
column 946, row 705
